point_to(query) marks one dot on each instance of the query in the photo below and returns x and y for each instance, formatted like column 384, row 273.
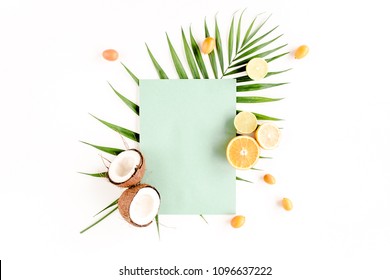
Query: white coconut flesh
column 124, row 166
column 144, row 206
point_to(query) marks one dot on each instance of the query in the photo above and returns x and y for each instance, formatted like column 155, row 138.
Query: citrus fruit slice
column 245, row 122
column 257, row 68
column 268, row 136
column 242, row 152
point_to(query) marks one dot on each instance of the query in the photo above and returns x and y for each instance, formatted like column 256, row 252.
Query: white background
column 333, row 160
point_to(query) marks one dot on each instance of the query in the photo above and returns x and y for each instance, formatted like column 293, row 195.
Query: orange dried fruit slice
column 110, row 55
column 301, row 52
column 243, row 152
column 245, row 122
column 237, row 221
column 268, row 136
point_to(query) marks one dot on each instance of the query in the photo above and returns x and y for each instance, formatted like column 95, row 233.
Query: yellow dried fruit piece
column 269, row 179
column 110, row 55
column 245, row 122
column 242, row 152
column 268, row 136
column 257, row 68
column 237, row 221
column 208, row 45
column 287, row 204
column 301, row 52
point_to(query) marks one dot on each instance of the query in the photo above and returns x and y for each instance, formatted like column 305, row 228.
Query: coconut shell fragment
column 127, row 169
column 139, row 205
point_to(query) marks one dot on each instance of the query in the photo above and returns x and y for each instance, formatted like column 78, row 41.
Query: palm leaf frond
column 121, row 130
column 218, row 45
column 176, row 61
column 238, row 33
column 258, row 39
column 276, row 57
column 254, row 32
column 109, row 150
column 115, row 202
column 257, row 48
column 198, row 56
column 134, row 107
column 97, row 175
column 258, row 86
column 160, row 71
column 98, row 221
column 190, row 58
column 231, row 40
column 255, row 99
column 136, row 80
column 212, row 58
column 240, row 179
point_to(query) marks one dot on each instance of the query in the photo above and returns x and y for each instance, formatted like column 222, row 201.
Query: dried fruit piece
column 257, row 68
column 269, row 179
column 243, row 152
column 287, row 204
column 110, row 55
column 208, row 45
column 301, row 52
column 268, row 136
column 237, row 221
column 245, row 122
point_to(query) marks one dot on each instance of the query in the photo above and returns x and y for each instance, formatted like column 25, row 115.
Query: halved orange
column 243, row 152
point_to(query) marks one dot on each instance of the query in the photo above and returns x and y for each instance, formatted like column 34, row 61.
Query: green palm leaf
column 239, row 32
column 276, row 57
column 240, row 179
column 97, row 175
column 213, row 60
column 176, row 61
column 218, row 44
column 245, row 78
column 204, row 219
column 231, row 40
column 198, row 56
column 129, row 103
column 123, row 131
column 136, row 80
column 157, row 66
column 190, row 59
column 255, row 99
column 261, row 117
column 115, row 202
column 248, row 32
column 263, row 54
column 109, row 150
column 257, row 48
column 258, row 39
column 98, row 221
column 158, row 226
column 254, row 32
column 259, row 86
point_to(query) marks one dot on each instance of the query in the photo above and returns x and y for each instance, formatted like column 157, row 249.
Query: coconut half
column 127, row 169
column 139, row 205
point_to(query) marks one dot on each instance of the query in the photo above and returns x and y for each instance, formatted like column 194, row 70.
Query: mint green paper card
column 185, row 126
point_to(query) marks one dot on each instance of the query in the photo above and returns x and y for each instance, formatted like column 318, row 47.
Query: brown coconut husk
column 127, row 198
column 137, row 176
